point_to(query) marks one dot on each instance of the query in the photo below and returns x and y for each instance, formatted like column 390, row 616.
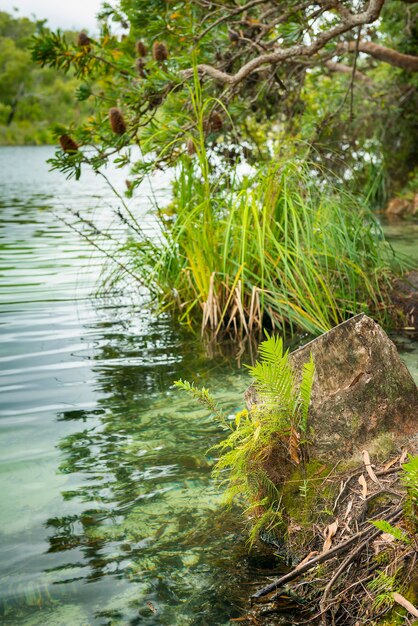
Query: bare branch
column 346, row 69
column 368, row 16
column 237, row 11
column 387, row 55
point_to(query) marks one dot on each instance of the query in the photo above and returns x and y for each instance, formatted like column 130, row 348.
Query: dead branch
column 341, row 547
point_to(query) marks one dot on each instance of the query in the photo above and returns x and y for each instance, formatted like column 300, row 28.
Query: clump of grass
column 284, row 246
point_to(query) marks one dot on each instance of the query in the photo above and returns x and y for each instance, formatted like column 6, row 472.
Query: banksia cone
column 233, row 36
column 141, row 49
column 83, row 41
column 68, row 144
column 191, row 148
column 117, row 123
column 215, row 121
column 155, row 99
column 159, row 51
column 139, row 66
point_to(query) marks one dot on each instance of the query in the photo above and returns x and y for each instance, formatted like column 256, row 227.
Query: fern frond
column 396, row 532
column 271, row 349
column 280, row 416
column 305, row 392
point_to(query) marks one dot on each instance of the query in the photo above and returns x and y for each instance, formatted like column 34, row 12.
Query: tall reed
column 283, row 246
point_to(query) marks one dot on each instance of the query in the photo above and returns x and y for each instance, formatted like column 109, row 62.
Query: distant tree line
column 34, row 102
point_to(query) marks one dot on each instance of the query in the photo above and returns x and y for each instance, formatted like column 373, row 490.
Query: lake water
column 108, row 512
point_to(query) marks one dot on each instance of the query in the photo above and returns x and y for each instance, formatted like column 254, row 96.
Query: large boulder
column 361, row 389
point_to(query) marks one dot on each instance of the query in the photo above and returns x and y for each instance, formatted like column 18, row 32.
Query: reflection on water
column 109, row 515
column 403, row 235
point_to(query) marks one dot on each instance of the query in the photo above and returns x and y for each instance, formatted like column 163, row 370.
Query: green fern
column 409, row 478
column 383, row 585
column 396, row 532
column 273, row 378
column 262, row 435
column 305, row 392
column 204, row 397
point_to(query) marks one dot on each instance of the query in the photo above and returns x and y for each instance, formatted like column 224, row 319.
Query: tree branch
column 346, row 69
column 236, row 11
column 349, row 22
column 387, row 55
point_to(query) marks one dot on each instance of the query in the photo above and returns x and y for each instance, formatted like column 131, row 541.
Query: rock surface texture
column 361, row 389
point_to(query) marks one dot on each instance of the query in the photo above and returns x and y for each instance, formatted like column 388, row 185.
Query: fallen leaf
column 151, row 607
column 362, row 482
column 329, row 533
column 369, row 469
column 403, row 458
column 307, row 558
column 349, row 507
column 392, row 462
column 405, row 603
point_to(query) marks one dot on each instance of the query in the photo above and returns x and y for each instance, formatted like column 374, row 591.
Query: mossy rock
column 361, row 390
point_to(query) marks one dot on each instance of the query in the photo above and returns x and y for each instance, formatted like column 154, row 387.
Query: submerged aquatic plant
column 273, row 431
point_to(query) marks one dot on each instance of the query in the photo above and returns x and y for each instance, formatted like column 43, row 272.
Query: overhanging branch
column 387, row 55
column 346, row 69
column 348, row 22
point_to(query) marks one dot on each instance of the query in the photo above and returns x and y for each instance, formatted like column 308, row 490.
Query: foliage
column 410, row 480
column 388, row 581
column 356, row 110
column 251, row 457
column 383, row 585
column 203, row 396
column 409, row 477
column 279, row 246
column 264, row 228
column 32, row 100
column 396, row 532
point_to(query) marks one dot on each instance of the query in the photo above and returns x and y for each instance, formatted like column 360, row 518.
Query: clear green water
column 106, row 498
column 403, row 235
column 108, row 512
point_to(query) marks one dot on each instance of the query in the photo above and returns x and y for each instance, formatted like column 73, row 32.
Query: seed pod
column 233, row 36
column 117, row 123
column 83, row 40
column 140, row 68
column 68, row 144
column 190, row 146
column 215, row 121
column 141, row 49
column 159, row 51
column 155, row 99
